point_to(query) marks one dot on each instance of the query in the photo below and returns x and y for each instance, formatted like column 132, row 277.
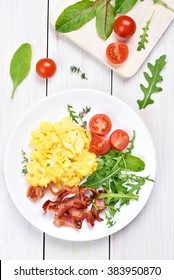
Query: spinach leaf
column 123, row 6
column 105, row 17
column 76, row 15
column 132, row 163
column 152, row 80
column 20, row 65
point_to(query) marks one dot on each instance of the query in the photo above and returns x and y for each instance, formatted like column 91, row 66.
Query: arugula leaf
column 105, row 17
column 96, row 179
column 152, row 80
column 123, row 6
column 143, row 37
column 116, row 196
column 76, row 15
column 162, row 3
column 72, row 114
column 20, row 65
column 131, row 146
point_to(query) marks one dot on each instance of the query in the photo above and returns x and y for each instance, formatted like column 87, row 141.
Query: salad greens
column 116, row 175
column 152, row 80
column 20, row 65
column 143, row 37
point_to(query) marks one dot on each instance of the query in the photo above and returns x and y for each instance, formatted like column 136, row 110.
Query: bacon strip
column 71, row 207
column 34, row 193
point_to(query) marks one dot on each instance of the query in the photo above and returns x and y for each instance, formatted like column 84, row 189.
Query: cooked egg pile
column 60, row 154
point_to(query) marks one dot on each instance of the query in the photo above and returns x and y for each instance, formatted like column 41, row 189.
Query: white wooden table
column 151, row 234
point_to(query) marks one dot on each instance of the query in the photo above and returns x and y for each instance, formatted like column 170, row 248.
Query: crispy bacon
column 71, row 207
column 34, row 193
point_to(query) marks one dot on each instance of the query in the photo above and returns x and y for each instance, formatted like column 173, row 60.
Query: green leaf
column 110, row 195
column 132, row 163
column 123, row 6
column 152, row 80
column 20, row 65
column 162, row 3
column 76, row 15
column 96, row 179
column 143, row 37
column 105, row 17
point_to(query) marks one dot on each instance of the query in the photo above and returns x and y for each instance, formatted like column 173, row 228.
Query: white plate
column 52, row 109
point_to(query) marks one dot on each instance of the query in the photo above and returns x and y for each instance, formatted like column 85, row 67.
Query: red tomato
column 124, row 26
column 117, row 52
column 99, row 145
column 100, row 124
column 46, row 67
column 119, row 139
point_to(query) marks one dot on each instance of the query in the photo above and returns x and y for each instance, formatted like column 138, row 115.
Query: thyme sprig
column 77, row 70
column 82, row 114
column 25, row 160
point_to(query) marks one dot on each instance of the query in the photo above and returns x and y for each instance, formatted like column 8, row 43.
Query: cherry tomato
column 119, row 139
column 46, row 67
column 117, row 52
column 124, row 26
column 99, row 145
column 100, row 124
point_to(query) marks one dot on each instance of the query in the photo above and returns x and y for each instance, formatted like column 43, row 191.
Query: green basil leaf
column 105, row 17
column 123, row 6
column 75, row 16
column 20, row 65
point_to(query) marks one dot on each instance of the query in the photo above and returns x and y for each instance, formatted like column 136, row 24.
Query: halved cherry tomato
column 124, row 26
column 117, row 52
column 100, row 124
column 119, row 139
column 46, row 67
column 99, row 145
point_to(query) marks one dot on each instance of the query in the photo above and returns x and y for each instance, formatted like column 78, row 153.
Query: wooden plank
column 20, row 21
column 66, row 54
column 150, row 235
column 87, row 38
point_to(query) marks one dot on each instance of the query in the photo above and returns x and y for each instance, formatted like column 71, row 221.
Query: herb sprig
column 25, row 161
column 76, row 69
column 79, row 118
column 82, row 114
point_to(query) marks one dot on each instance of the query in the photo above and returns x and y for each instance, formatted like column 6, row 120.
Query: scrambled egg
column 60, row 154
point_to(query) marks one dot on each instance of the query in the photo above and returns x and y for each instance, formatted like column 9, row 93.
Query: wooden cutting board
column 87, row 38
